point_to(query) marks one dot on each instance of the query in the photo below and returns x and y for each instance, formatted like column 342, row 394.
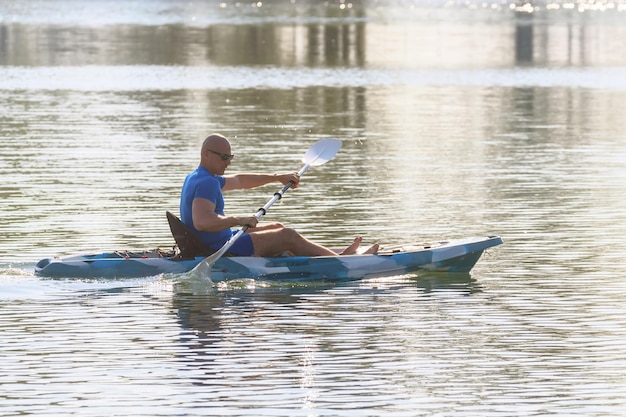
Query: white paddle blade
column 322, row 152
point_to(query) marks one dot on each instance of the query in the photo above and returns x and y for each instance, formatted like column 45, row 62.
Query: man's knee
column 290, row 235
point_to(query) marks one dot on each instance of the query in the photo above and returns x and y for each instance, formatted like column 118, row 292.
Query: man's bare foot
column 372, row 250
column 351, row 250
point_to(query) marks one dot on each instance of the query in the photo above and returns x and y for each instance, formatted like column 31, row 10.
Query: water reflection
column 524, row 42
column 244, row 333
column 454, row 283
column 356, row 38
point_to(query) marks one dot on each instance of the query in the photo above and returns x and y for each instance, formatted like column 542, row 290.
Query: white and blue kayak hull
column 449, row 256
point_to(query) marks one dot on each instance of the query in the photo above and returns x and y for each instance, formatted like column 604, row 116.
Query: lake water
column 457, row 119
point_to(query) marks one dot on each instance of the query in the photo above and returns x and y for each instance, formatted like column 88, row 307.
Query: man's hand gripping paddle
column 318, row 154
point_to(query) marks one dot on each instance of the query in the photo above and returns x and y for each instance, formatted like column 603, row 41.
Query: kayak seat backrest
column 186, row 239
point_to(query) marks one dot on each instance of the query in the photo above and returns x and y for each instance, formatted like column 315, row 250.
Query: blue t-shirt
column 201, row 184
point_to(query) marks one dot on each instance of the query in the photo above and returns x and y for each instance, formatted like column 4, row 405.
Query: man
column 202, row 209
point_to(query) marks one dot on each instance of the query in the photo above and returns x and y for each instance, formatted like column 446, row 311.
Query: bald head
column 216, row 142
column 215, row 154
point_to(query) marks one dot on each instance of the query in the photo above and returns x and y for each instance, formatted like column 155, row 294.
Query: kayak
column 458, row 255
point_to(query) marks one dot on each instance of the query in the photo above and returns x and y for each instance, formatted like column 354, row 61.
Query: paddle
column 318, row 154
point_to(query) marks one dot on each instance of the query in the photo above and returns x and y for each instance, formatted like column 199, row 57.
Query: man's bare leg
column 276, row 241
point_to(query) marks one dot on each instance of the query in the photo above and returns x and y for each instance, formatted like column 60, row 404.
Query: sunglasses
column 224, row 156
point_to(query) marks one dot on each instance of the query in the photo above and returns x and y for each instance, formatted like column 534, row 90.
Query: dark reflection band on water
column 354, row 38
